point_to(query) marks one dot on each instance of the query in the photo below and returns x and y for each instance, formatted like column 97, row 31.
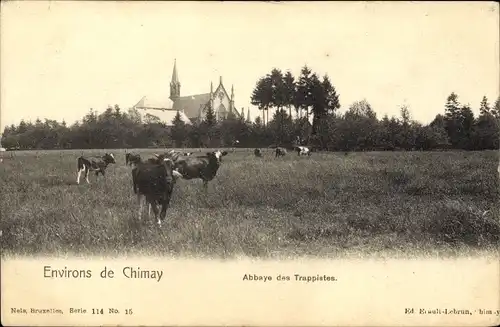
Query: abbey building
column 192, row 108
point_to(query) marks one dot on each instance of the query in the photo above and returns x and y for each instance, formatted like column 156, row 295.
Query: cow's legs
column 139, row 198
column 87, row 174
column 155, row 210
column 163, row 213
column 78, row 176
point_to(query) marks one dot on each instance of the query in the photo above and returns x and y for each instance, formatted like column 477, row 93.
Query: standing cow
column 280, row 152
column 154, row 182
column 97, row 164
column 203, row 167
column 303, row 151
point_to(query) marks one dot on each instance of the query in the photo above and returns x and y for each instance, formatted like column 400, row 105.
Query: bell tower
column 175, row 85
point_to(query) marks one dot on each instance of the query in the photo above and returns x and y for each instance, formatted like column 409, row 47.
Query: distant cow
column 97, row 164
column 132, row 159
column 303, row 151
column 154, row 183
column 280, row 152
column 257, row 153
column 203, row 167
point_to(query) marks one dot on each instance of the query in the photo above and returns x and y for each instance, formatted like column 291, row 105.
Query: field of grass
column 329, row 205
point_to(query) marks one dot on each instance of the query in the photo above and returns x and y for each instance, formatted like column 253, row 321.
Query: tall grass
column 329, row 204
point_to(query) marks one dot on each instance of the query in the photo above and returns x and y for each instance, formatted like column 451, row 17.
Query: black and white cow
column 203, row 167
column 303, row 150
column 257, row 153
column 96, row 164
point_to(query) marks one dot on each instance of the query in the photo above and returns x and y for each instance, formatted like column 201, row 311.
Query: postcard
column 249, row 163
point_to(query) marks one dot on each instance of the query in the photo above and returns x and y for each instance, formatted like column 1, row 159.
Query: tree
column 496, row 109
column 290, row 91
column 303, row 95
column 360, row 127
column 486, row 130
column 466, row 127
column 262, row 96
column 151, row 119
column 452, row 119
column 178, row 132
column 484, row 106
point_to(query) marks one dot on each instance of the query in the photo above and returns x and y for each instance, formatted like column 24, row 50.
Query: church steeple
column 231, row 102
column 175, row 85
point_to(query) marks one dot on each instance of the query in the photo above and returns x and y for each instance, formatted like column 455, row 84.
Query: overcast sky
column 59, row 59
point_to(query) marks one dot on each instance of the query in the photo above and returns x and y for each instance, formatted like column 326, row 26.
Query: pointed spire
column 232, row 92
column 220, row 80
column 211, row 88
column 175, row 77
column 175, row 85
column 248, row 114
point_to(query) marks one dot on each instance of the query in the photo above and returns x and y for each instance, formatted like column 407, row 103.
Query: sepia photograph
column 233, row 132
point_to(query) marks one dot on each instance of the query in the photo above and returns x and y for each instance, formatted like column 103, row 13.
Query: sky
column 59, row 59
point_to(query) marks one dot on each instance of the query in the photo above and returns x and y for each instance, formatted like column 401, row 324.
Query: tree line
column 292, row 101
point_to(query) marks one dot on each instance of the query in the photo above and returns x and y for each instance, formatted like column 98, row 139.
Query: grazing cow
column 97, row 164
column 132, row 159
column 303, row 151
column 280, row 152
column 203, row 167
column 154, row 182
column 257, row 153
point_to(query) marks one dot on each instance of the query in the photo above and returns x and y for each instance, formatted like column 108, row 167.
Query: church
column 192, row 108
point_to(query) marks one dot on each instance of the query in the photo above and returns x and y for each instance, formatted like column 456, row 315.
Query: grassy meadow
column 366, row 204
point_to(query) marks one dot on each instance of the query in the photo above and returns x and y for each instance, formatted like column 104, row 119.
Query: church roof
column 150, row 103
column 191, row 104
column 166, row 116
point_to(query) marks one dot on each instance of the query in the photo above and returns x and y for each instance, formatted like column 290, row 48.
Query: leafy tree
column 466, row 127
column 262, row 96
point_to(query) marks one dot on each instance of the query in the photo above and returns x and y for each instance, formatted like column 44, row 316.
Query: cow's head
column 169, row 166
column 109, row 158
column 216, row 156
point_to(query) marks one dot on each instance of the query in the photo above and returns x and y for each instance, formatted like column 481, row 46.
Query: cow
column 172, row 155
column 203, row 167
column 97, row 164
column 257, row 153
column 303, row 151
column 154, row 182
column 280, row 152
column 132, row 159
